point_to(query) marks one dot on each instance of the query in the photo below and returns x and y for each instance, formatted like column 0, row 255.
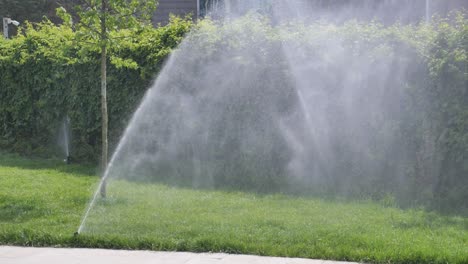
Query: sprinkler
column 67, row 160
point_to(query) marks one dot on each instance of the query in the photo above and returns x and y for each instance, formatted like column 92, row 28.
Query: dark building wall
column 176, row 7
column 388, row 11
column 442, row 7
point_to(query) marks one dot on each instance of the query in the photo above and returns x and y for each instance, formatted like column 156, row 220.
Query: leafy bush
column 423, row 160
column 46, row 75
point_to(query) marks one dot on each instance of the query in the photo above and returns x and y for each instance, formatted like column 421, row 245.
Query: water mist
column 64, row 139
column 281, row 98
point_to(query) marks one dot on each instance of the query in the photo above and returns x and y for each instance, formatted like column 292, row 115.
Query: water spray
column 66, row 140
column 428, row 11
column 335, row 116
column 101, row 187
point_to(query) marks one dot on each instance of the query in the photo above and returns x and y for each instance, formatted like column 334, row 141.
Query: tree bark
column 105, row 145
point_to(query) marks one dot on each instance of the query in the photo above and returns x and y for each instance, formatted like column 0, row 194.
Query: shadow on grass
column 15, row 160
column 315, row 193
column 431, row 220
column 30, row 163
column 19, row 210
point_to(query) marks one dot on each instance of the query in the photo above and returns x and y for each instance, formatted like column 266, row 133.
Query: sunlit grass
column 42, row 202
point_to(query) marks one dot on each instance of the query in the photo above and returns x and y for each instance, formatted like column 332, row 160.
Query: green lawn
column 42, row 202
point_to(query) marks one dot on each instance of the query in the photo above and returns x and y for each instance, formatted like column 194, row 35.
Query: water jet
column 276, row 102
column 65, row 139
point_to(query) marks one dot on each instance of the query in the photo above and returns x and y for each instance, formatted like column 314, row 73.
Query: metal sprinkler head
column 67, row 160
column 76, row 234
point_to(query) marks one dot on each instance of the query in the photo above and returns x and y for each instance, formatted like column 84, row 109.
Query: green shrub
column 45, row 76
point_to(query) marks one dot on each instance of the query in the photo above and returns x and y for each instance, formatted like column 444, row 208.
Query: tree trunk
column 105, row 145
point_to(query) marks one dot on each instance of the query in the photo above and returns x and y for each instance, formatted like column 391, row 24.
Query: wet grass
column 42, row 201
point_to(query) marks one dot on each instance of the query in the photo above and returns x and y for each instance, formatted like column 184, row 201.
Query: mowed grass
column 42, row 202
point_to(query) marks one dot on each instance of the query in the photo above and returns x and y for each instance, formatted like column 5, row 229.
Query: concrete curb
column 28, row 255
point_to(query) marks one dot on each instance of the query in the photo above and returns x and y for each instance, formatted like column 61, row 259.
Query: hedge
column 46, row 77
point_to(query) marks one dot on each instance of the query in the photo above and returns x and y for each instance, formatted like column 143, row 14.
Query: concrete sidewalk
column 21, row 255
